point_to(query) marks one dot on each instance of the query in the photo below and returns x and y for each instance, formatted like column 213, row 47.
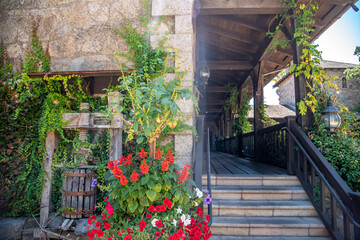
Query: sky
column 337, row 43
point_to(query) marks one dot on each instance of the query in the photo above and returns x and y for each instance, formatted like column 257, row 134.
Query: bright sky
column 337, row 43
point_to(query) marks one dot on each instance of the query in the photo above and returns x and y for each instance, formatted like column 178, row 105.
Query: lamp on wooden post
column 330, row 117
column 204, row 74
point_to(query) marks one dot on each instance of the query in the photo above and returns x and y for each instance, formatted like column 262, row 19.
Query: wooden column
column 199, row 150
column 51, row 144
column 115, row 133
column 258, row 94
column 299, row 82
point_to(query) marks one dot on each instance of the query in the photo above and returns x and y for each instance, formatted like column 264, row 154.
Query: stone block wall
column 79, row 36
column 286, row 91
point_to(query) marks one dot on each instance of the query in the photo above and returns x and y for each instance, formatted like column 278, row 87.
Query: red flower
column 163, row 230
column 157, row 234
column 142, row 154
column 110, row 165
column 158, row 208
column 128, row 237
column 89, row 221
column 110, row 209
column 144, row 167
column 91, row 235
column 134, row 176
column 176, row 171
column 159, row 223
column 170, row 157
column 100, row 233
column 199, row 212
column 208, row 218
column 130, row 231
column 184, row 173
column 197, row 234
column 107, row 226
column 158, row 154
column 162, row 208
column 103, row 217
column 123, row 181
column 98, row 224
column 148, row 215
column 151, row 208
column 142, row 225
column 168, row 203
column 164, row 165
column 105, row 199
column 117, row 172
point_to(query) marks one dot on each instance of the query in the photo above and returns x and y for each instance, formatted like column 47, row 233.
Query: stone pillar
column 51, row 144
column 182, row 38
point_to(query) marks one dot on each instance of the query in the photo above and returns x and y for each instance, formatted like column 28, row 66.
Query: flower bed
column 150, row 199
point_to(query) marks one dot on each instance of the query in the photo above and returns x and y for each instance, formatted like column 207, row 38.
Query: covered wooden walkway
column 227, row 164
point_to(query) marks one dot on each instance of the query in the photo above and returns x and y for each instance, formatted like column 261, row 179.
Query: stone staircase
column 262, row 208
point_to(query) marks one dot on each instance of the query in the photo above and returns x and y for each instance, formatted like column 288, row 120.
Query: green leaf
column 132, row 205
column 151, row 195
column 139, row 140
column 158, row 187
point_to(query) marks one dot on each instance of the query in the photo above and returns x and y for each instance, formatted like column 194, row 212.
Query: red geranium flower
column 107, row 226
column 130, row 231
column 159, row 223
column 148, row 215
column 91, row 235
column 163, row 230
column 100, row 233
column 199, row 212
column 158, row 208
column 162, row 208
column 157, row 234
column 128, row 237
column 208, row 218
column 142, row 225
column 98, row 224
column 168, row 203
column 151, row 208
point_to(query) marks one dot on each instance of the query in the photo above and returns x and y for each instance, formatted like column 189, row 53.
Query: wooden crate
column 78, row 198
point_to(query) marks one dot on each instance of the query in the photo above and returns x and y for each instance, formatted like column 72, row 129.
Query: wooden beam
column 211, row 89
column 227, row 46
column 242, row 22
column 228, row 65
column 216, row 7
column 229, row 34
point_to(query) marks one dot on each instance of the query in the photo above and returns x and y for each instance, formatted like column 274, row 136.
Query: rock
column 82, row 227
column 55, row 222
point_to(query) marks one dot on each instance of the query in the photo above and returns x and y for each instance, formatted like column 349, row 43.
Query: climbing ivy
column 240, row 109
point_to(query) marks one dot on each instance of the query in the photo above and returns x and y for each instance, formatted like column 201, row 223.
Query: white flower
column 183, row 218
column 196, row 204
column 187, row 222
column 179, row 210
column 174, row 222
column 188, row 217
column 199, row 193
column 153, row 222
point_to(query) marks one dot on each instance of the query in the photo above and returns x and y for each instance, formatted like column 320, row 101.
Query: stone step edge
column 285, row 180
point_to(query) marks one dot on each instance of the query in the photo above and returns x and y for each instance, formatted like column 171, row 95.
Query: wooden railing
column 286, row 145
column 337, row 205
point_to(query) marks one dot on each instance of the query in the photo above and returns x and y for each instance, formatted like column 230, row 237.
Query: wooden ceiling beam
column 228, row 46
column 229, row 34
column 217, row 89
column 253, row 25
column 228, row 65
column 216, row 7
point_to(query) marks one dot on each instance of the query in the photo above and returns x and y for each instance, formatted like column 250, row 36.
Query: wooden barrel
column 78, row 197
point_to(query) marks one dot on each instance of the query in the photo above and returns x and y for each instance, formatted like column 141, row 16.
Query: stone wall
column 348, row 95
column 79, row 36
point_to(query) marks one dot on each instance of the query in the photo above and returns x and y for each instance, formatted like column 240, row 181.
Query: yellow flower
column 302, row 6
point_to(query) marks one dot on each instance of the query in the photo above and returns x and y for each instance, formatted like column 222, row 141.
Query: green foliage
column 37, row 59
column 353, row 73
column 317, row 81
column 240, row 124
column 264, row 117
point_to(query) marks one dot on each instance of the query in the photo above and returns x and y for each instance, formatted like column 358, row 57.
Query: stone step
column 262, row 208
column 268, row 226
column 220, row 237
column 261, row 180
column 258, row 193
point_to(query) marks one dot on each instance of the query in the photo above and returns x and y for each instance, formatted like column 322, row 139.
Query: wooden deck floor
column 227, row 164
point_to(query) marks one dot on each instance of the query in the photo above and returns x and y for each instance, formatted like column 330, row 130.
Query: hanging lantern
column 205, row 74
column 330, row 117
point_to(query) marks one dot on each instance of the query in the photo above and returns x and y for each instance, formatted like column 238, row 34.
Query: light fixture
column 204, row 74
column 330, row 117
column 354, row 7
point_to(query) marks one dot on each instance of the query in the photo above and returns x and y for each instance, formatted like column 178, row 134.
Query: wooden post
column 299, row 81
column 258, row 94
column 290, row 147
column 51, row 144
column 115, row 133
column 199, row 150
